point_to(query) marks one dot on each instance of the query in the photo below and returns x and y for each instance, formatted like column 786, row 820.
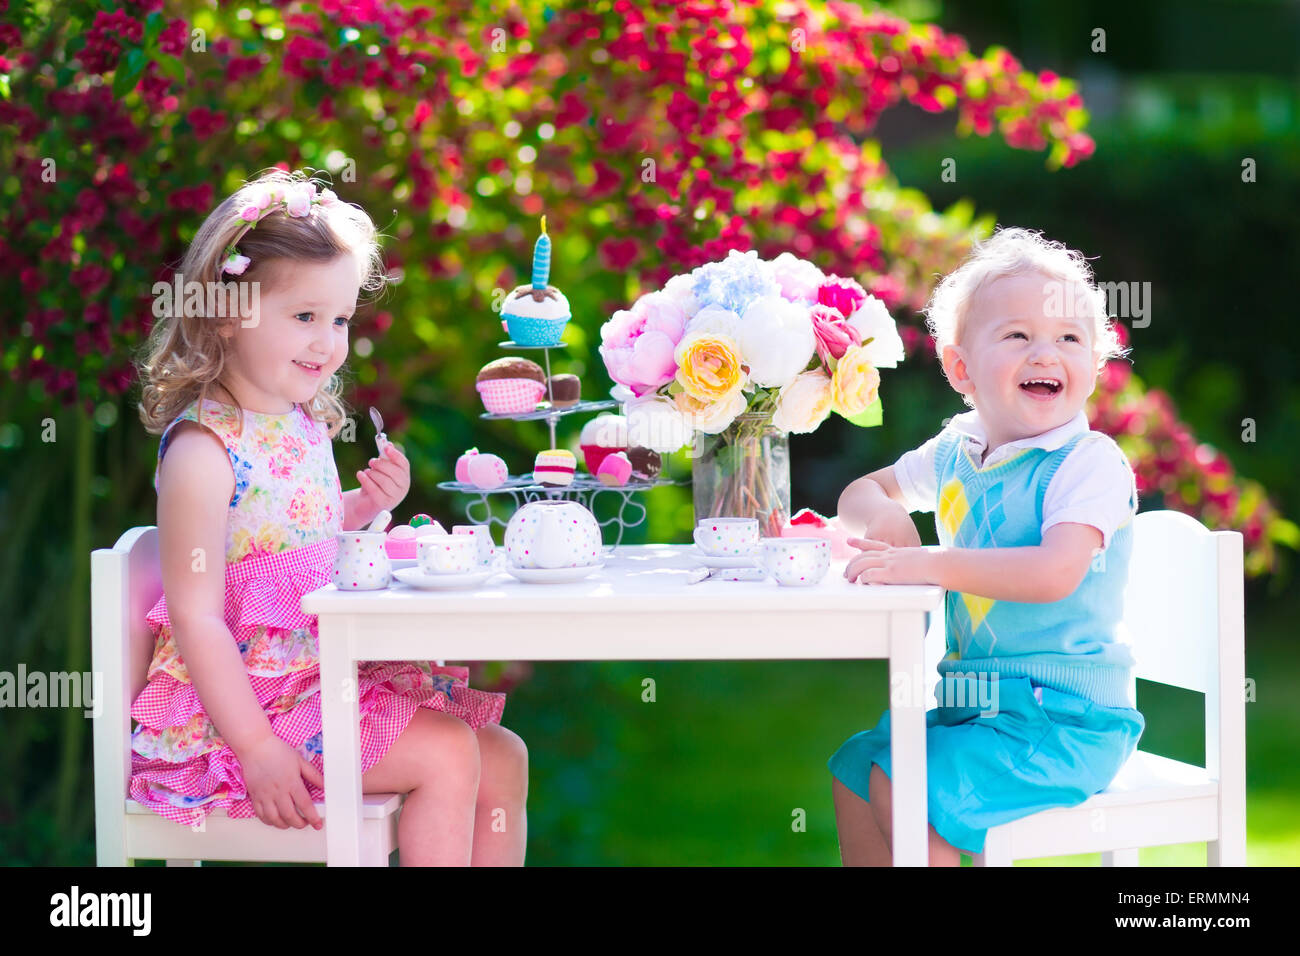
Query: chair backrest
column 126, row 582
column 1184, row 618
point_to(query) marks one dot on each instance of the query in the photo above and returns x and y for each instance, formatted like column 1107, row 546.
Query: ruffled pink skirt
column 182, row 769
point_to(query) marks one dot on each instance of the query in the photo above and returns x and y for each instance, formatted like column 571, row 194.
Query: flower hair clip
column 295, row 199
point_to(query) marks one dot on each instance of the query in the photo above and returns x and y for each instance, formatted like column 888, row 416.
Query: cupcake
column 536, row 314
column 564, row 390
column 615, row 469
column 646, row 463
column 511, row 386
column 601, row 436
column 555, row 467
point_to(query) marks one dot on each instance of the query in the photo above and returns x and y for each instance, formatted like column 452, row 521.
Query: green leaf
column 153, row 26
column 172, row 67
column 870, row 416
column 128, row 72
column 1285, row 532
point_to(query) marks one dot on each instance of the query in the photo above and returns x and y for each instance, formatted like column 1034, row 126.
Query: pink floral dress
column 280, row 545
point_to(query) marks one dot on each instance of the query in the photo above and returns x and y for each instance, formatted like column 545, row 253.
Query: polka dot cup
column 727, row 537
column 448, row 554
column 796, row 562
column 362, row 561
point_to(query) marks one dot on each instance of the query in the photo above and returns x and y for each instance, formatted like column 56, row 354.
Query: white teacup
column 361, row 563
column 482, row 534
column 447, row 554
column 727, row 537
column 796, row 562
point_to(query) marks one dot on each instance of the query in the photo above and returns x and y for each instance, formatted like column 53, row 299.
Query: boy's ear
column 954, row 369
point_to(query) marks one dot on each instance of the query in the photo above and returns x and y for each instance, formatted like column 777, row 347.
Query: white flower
column 714, row 320
column 803, row 404
column 678, row 288
column 654, row 422
column 776, row 340
column 798, row 278
column 712, row 418
column 873, row 319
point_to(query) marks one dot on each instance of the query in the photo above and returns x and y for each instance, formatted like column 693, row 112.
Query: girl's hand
column 879, row 563
column 385, row 483
column 273, row 775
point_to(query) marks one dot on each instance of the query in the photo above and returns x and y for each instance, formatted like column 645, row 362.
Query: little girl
column 1034, row 516
column 242, row 389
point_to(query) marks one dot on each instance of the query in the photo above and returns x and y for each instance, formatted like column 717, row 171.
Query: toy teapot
column 553, row 534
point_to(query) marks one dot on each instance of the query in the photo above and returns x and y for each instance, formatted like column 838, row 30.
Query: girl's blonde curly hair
column 185, row 353
column 1011, row 252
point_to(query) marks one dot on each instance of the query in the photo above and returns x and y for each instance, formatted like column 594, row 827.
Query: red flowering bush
column 655, row 136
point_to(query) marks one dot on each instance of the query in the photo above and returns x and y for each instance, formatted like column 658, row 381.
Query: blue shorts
column 1021, row 757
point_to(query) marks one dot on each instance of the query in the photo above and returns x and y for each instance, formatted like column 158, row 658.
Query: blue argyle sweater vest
column 1069, row 645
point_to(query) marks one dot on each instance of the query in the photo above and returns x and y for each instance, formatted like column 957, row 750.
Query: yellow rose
column 855, row 384
column 708, row 366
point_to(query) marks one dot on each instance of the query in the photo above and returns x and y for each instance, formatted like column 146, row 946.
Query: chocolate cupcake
column 511, row 367
column 645, row 463
column 564, row 390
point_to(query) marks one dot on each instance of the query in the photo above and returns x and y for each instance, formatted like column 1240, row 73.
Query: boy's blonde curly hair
column 185, row 354
column 1011, row 252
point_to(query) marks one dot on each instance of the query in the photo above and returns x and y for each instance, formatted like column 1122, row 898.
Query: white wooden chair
column 1184, row 618
column 125, row 583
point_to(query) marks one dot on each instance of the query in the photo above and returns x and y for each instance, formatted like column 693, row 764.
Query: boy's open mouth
column 1042, row 387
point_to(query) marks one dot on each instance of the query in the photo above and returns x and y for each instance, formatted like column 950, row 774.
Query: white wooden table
column 638, row 607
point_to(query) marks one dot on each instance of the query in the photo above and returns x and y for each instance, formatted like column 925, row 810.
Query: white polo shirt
column 1095, row 484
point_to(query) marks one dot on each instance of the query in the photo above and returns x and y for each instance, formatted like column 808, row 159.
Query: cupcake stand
column 584, row 489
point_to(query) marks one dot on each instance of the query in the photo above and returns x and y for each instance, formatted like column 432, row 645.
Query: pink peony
column 299, row 199
column 637, row 344
column 843, row 294
column 833, row 332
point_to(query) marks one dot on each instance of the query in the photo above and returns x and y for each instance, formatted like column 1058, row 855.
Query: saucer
column 552, row 575
column 417, row 578
column 722, row 561
column 404, row 563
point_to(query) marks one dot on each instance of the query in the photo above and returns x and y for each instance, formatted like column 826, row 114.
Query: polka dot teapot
column 553, row 533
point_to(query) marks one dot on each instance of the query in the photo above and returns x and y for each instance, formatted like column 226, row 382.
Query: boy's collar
column 969, row 424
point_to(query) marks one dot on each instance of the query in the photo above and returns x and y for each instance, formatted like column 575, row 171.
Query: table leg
column 907, row 738
column 340, row 727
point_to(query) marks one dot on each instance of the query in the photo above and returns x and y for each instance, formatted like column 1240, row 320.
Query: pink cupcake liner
column 510, row 396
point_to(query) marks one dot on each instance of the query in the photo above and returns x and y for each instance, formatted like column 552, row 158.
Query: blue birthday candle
column 542, row 259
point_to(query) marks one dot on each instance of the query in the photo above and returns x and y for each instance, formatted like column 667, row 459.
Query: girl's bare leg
column 500, row 817
column 435, row 762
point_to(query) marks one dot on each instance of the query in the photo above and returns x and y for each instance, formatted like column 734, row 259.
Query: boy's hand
column 385, row 483
column 893, row 526
column 879, row 563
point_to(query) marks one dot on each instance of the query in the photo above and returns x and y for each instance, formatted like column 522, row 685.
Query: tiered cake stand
column 585, row 488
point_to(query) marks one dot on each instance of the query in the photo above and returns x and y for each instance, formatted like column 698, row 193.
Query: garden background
column 877, row 142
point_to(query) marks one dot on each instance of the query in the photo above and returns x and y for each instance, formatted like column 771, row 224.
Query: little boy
column 1034, row 517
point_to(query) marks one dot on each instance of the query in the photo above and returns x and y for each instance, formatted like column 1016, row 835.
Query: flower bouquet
column 736, row 355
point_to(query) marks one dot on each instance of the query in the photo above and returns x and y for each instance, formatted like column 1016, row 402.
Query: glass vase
column 743, row 472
